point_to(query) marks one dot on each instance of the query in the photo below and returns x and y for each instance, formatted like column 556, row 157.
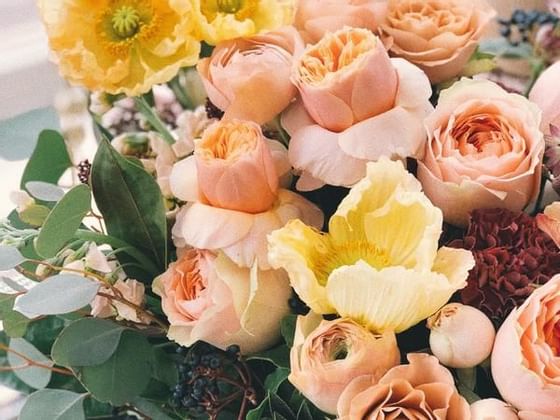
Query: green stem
column 149, row 113
column 537, row 67
column 182, row 96
column 540, row 197
column 116, row 243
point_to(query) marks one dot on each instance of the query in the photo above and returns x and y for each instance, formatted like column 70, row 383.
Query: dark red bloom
column 512, row 256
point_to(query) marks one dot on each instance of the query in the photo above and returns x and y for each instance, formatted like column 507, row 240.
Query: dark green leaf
column 49, row 160
column 258, row 412
column 15, row 324
column 53, row 404
column 10, row 257
column 87, row 342
column 279, row 356
column 165, row 369
column 288, row 328
column 43, row 332
column 279, row 406
column 304, row 413
column 34, row 376
column 59, row 294
column 131, row 203
column 275, row 379
column 63, row 221
column 125, row 375
column 152, row 410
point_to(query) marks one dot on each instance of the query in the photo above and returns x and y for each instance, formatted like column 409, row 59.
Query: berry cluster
column 211, row 379
column 519, row 27
column 84, row 170
column 212, row 111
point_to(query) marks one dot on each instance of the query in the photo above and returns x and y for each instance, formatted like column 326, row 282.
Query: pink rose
column 314, row 18
column 526, row 355
column 249, row 78
column 439, row 36
column 211, row 299
column 546, row 95
column 327, row 355
column 232, row 183
column 339, row 125
column 484, row 150
column 421, row 389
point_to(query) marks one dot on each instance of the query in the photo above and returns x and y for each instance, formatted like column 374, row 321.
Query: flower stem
column 148, row 112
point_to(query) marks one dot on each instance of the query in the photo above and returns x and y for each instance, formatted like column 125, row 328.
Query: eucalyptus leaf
column 34, row 215
column 53, row 404
column 151, row 409
column 131, row 203
column 165, row 368
column 44, row 191
column 14, row 323
column 63, row 221
column 10, row 257
column 12, row 284
column 49, row 160
column 125, row 375
column 87, row 342
column 34, row 376
column 59, row 294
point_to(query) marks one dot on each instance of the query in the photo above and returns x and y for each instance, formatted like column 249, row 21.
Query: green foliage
column 63, row 221
column 54, row 404
column 87, row 342
column 151, row 409
column 34, row 376
column 14, row 323
column 44, row 191
column 279, row 356
column 10, row 257
column 34, row 215
column 7, row 377
column 288, row 328
column 131, row 203
column 49, row 160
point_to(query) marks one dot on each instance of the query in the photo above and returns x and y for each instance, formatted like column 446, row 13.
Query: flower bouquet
column 297, row 210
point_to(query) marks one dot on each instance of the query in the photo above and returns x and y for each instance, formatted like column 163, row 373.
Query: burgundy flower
column 513, row 256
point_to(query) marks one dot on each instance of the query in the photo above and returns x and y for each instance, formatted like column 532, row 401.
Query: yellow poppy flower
column 379, row 264
column 220, row 20
column 120, row 46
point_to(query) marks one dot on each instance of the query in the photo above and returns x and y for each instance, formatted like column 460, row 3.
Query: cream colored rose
column 439, row 36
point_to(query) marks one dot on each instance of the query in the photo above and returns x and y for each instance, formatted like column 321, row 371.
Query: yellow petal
column 454, row 264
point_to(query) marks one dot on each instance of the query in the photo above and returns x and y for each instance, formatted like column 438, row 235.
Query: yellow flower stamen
column 230, row 6
column 126, row 22
column 242, row 9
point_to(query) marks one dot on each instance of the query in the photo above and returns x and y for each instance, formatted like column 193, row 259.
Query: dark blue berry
column 189, row 402
column 505, row 32
column 181, row 350
column 518, row 16
column 233, row 350
column 215, row 362
column 197, row 394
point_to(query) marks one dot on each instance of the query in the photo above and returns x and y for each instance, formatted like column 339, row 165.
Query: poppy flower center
column 126, row 21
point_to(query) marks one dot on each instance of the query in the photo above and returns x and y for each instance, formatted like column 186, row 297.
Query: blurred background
column 31, row 93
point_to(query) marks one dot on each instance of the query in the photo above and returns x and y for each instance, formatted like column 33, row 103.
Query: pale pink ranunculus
column 249, row 78
column 327, row 355
column 314, row 18
column 484, row 150
column 356, row 105
column 546, row 95
column 421, row 389
column 526, row 354
column 231, row 186
column 549, row 221
column 235, row 167
column 131, row 290
column 492, row 409
column 439, row 36
column 209, row 298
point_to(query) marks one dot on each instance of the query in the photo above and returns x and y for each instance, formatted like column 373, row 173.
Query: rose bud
column 461, row 336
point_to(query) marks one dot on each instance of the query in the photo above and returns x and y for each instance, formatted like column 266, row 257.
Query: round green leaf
column 59, row 294
column 34, row 376
column 87, row 342
column 125, row 375
column 10, row 257
column 63, row 221
column 53, row 404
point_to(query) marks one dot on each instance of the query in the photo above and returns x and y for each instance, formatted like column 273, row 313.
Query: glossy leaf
column 59, row 294
column 63, row 221
column 87, row 342
column 34, row 376
column 49, row 160
column 131, row 203
column 53, row 404
column 124, row 375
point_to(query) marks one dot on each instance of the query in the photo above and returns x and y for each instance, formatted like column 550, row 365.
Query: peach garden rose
column 327, row 355
column 356, row 105
column 526, row 355
column 232, row 184
column 439, row 36
column 546, row 95
column 209, row 298
column 484, row 150
column 249, row 78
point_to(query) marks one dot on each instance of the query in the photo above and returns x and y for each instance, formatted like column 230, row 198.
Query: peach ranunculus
column 421, row 389
column 328, row 355
column 314, row 18
column 249, row 78
column 484, row 150
column 439, row 36
column 526, row 355
column 339, row 124
column 549, row 221
column 546, row 95
column 209, row 298
column 120, row 46
column 232, row 184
